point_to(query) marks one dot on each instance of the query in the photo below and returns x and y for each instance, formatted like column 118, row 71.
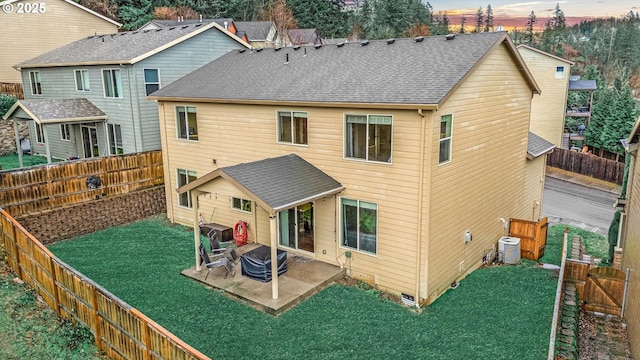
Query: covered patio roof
column 56, row 111
column 276, row 183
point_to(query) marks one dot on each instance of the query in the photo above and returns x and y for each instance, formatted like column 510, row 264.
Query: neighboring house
column 226, row 23
column 261, row 34
column 536, row 169
column 114, row 73
column 548, row 109
column 630, row 239
column 303, row 37
column 32, row 28
column 403, row 156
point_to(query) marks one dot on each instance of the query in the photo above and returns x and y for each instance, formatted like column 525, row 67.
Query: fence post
column 96, row 318
column 16, row 250
column 146, row 339
column 56, row 297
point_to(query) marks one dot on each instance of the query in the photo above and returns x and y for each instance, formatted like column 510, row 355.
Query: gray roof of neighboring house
column 255, row 30
column 278, row 183
column 582, row 85
column 405, row 72
column 169, row 23
column 538, row 146
column 59, row 110
column 123, row 47
column 304, row 36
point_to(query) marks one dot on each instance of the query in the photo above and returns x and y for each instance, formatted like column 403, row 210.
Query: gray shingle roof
column 403, row 72
column 582, row 85
column 60, row 110
column 303, row 36
column 538, row 146
column 255, row 30
column 122, row 47
column 283, row 181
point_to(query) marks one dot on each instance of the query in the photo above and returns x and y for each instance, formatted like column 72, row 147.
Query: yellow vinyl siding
column 29, row 35
column 631, row 259
column 235, row 134
column 548, row 108
column 485, row 180
column 534, row 178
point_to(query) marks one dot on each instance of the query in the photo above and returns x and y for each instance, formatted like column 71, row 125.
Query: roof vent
column 185, row 26
column 172, row 27
column 259, row 49
column 146, row 31
column 391, row 41
column 277, row 49
column 241, row 50
column 317, row 46
column 364, row 42
column 113, row 35
column 286, row 57
column 340, row 44
column 419, row 39
column 198, row 24
column 450, row 36
column 296, row 47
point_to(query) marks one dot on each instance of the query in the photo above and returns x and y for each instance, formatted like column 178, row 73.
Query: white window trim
column 344, row 140
column 188, row 192
column 560, row 74
column 241, row 200
column 346, row 248
column 104, row 93
column 175, row 111
column 109, row 134
column 292, row 124
column 145, row 80
column 31, row 82
column 450, row 142
column 62, row 127
column 41, row 133
column 75, row 74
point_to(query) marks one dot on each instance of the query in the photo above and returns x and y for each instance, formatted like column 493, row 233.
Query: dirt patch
column 602, row 337
column 349, row 281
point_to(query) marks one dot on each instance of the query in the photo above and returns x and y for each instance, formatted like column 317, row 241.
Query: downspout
column 423, row 126
column 632, row 150
column 133, row 119
column 165, row 162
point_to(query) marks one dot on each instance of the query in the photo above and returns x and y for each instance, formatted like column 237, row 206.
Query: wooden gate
column 533, row 237
column 603, row 290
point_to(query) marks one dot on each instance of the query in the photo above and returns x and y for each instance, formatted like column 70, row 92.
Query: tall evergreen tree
column 488, row 21
column 479, row 20
column 529, row 30
column 135, row 13
column 463, row 22
column 324, row 15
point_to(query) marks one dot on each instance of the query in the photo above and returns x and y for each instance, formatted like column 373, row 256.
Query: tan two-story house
column 399, row 159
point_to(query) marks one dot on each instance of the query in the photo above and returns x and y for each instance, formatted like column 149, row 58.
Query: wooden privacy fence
column 587, row 164
column 52, row 186
column 121, row 331
column 601, row 289
column 533, row 237
column 14, row 89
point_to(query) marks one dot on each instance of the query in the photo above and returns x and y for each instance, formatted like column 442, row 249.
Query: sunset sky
column 514, row 13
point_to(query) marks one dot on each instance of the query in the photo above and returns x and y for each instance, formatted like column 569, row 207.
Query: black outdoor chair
column 228, row 250
column 218, row 261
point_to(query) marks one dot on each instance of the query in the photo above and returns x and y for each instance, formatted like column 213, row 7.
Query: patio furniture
column 216, row 249
column 218, row 261
column 256, row 264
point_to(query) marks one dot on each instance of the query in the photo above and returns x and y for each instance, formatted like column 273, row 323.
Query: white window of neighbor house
column 185, row 177
column 559, row 72
column 112, row 82
column 65, row 132
column 82, row 80
column 359, row 225
column 151, row 80
column 39, row 134
column 241, row 204
column 115, row 139
column 36, row 83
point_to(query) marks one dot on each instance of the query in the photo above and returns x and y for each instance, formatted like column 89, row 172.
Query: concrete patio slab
column 304, row 277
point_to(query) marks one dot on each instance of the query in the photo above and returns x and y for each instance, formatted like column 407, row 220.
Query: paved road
column 578, row 205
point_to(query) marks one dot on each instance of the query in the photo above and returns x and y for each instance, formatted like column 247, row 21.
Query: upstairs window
column 368, row 137
column 36, row 83
column 559, row 72
column 112, row 83
column 187, row 122
column 151, row 80
column 82, row 80
column 445, row 139
column 292, row 127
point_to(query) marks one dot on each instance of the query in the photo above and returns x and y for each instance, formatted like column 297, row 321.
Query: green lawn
column 11, row 161
column 501, row 312
column 595, row 244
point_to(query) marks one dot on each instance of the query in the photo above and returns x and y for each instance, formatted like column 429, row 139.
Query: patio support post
column 18, row 147
column 274, row 256
column 196, row 227
column 46, row 143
